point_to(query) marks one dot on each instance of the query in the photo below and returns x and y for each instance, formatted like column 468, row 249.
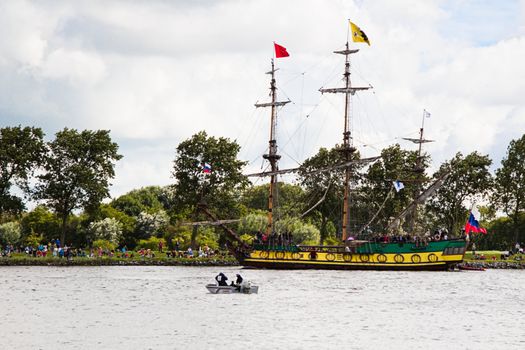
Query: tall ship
column 383, row 251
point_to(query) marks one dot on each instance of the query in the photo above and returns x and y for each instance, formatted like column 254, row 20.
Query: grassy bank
column 24, row 260
column 21, row 259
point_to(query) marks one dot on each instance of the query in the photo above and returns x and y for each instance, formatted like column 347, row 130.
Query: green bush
column 207, row 236
column 33, row 240
column 183, row 236
column 247, row 238
column 10, row 233
column 331, row 240
column 151, row 243
column 102, row 243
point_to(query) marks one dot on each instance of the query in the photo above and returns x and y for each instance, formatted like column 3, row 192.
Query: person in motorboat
column 221, row 279
column 237, row 283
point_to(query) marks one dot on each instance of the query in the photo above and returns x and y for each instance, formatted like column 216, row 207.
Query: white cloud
column 156, row 72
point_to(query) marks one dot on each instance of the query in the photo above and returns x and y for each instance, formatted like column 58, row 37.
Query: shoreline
column 115, row 262
column 502, row 265
column 30, row 261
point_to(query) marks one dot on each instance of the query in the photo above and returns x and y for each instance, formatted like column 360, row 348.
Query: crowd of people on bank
column 55, row 249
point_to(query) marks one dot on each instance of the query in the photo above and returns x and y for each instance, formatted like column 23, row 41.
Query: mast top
column 347, row 51
column 417, row 140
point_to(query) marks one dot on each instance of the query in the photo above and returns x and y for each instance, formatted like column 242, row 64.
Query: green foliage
column 207, row 236
column 501, row 233
column 109, row 229
column 289, row 199
column 33, row 240
column 469, row 180
column 253, row 223
column 21, row 153
column 151, row 224
column 509, row 194
column 10, row 233
column 302, row 233
column 145, row 199
column 151, row 243
column 220, row 187
column 183, row 236
column 128, row 222
column 77, row 172
column 332, row 241
column 394, row 164
column 247, row 238
column 323, row 188
column 42, row 222
column 105, row 245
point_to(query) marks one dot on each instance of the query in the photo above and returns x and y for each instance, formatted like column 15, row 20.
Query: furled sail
column 419, row 200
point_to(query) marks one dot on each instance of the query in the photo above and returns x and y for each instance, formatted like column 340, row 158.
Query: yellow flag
column 358, row 36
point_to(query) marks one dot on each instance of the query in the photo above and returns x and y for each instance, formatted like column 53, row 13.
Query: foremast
column 272, row 155
column 347, row 148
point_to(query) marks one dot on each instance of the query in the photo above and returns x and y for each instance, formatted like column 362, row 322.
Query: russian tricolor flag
column 206, row 168
column 472, row 225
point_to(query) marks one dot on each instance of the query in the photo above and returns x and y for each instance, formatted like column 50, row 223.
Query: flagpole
column 348, row 31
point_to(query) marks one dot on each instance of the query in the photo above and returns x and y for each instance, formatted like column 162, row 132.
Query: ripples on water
column 169, row 308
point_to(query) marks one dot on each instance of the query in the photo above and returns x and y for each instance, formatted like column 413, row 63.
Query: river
column 169, row 308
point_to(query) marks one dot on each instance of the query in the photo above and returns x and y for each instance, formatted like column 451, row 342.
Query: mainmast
column 348, row 148
column 272, row 155
column 418, row 169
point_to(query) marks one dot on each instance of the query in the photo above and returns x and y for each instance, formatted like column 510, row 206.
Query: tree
column 40, row 221
column 323, row 188
column 289, row 199
column 509, row 194
column 302, row 233
column 252, row 223
column 146, row 199
column 394, row 164
column 220, row 188
column 151, row 224
column 9, row 233
column 128, row 223
column 469, row 180
column 21, row 152
column 77, row 172
column 109, row 229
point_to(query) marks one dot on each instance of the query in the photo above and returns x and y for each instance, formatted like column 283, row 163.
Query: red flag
column 280, row 51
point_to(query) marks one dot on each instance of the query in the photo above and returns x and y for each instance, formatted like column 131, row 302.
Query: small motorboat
column 245, row 288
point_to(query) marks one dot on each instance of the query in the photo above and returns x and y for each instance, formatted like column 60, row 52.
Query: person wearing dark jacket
column 221, row 279
column 238, row 281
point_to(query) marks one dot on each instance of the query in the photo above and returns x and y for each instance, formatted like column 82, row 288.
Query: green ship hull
column 437, row 255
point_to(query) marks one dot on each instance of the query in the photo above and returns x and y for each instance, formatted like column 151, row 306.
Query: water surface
column 169, row 308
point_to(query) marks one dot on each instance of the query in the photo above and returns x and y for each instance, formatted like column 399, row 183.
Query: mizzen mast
column 418, row 169
column 348, row 148
column 272, row 155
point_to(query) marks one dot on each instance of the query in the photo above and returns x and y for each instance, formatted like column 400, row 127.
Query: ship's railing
column 276, row 247
column 322, row 248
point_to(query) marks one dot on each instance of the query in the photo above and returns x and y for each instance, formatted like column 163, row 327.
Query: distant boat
column 471, row 268
column 246, row 289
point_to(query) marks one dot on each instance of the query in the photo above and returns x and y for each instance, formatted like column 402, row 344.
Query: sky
column 156, row 72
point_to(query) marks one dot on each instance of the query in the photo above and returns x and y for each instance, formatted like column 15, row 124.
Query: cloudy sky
column 156, row 72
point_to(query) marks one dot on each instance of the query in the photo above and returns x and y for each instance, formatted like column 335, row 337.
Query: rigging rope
column 378, row 211
column 318, row 202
